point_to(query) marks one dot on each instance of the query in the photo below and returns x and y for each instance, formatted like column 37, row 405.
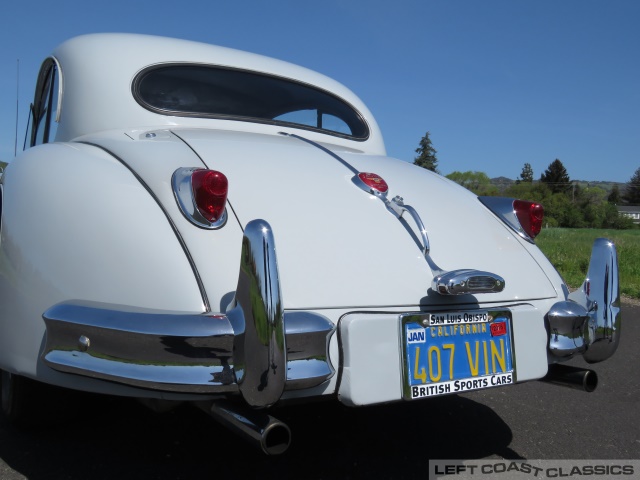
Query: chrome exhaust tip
column 267, row 433
column 572, row 377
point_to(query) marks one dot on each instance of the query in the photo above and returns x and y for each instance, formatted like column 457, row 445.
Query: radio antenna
column 15, row 143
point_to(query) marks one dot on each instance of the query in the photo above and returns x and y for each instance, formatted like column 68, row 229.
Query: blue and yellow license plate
column 454, row 352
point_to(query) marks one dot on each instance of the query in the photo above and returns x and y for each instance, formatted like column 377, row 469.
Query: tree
column 527, row 174
column 426, row 154
column 632, row 190
column 534, row 191
column 614, row 197
column 556, row 177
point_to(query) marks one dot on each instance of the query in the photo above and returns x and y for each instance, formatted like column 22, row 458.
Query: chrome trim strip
column 324, row 149
column 257, row 318
column 183, row 193
column 502, row 207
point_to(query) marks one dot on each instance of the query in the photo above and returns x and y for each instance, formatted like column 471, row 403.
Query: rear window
column 218, row 92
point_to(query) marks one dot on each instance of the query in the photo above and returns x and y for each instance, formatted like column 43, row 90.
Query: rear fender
column 77, row 224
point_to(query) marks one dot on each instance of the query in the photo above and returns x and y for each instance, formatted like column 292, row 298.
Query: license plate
column 454, row 352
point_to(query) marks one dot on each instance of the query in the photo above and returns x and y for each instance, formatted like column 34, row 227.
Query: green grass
column 570, row 249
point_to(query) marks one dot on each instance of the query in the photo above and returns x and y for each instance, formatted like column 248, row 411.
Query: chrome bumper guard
column 588, row 322
column 255, row 348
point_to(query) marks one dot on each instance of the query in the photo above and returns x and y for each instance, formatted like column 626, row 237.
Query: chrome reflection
column 257, row 318
column 589, row 321
column 308, row 362
column 465, row 281
column 600, row 295
column 146, row 348
column 397, row 207
column 567, row 322
column 173, row 352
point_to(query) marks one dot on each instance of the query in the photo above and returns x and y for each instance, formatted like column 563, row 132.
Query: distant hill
column 608, row 186
column 503, row 183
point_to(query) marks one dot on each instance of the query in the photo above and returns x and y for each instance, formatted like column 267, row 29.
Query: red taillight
column 210, row 193
column 530, row 216
column 373, row 181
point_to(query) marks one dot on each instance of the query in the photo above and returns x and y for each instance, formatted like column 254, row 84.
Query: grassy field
column 569, row 250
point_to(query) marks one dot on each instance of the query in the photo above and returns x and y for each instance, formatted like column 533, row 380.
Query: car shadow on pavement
column 108, row 438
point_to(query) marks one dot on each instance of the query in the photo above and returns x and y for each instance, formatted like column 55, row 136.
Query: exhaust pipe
column 269, row 434
column 572, row 377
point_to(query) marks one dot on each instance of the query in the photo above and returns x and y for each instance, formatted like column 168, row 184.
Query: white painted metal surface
column 93, row 217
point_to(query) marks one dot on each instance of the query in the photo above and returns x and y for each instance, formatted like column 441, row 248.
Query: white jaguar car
column 191, row 223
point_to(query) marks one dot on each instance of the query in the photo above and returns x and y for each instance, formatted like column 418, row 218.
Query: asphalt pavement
column 113, row 438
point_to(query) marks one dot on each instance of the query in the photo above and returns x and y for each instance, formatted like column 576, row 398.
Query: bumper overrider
column 588, row 322
column 254, row 348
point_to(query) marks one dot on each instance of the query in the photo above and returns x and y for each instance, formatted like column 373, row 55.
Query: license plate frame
column 481, row 340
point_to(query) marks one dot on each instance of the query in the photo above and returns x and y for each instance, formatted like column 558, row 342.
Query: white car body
column 91, row 225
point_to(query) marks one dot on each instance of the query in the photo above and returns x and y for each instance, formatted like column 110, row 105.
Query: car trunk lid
column 338, row 246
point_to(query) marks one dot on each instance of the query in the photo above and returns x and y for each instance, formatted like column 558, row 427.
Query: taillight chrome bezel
column 505, row 210
column 183, row 192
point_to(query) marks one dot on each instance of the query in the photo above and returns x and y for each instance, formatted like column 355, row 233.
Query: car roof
column 97, row 72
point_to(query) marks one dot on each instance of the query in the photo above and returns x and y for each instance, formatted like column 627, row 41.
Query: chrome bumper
column 588, row 322
column 255, row 348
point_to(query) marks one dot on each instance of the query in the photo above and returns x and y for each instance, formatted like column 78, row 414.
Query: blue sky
column 497, row 82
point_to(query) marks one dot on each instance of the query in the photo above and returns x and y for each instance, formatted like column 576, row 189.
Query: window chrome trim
column 42, row 103
column 60, row 89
